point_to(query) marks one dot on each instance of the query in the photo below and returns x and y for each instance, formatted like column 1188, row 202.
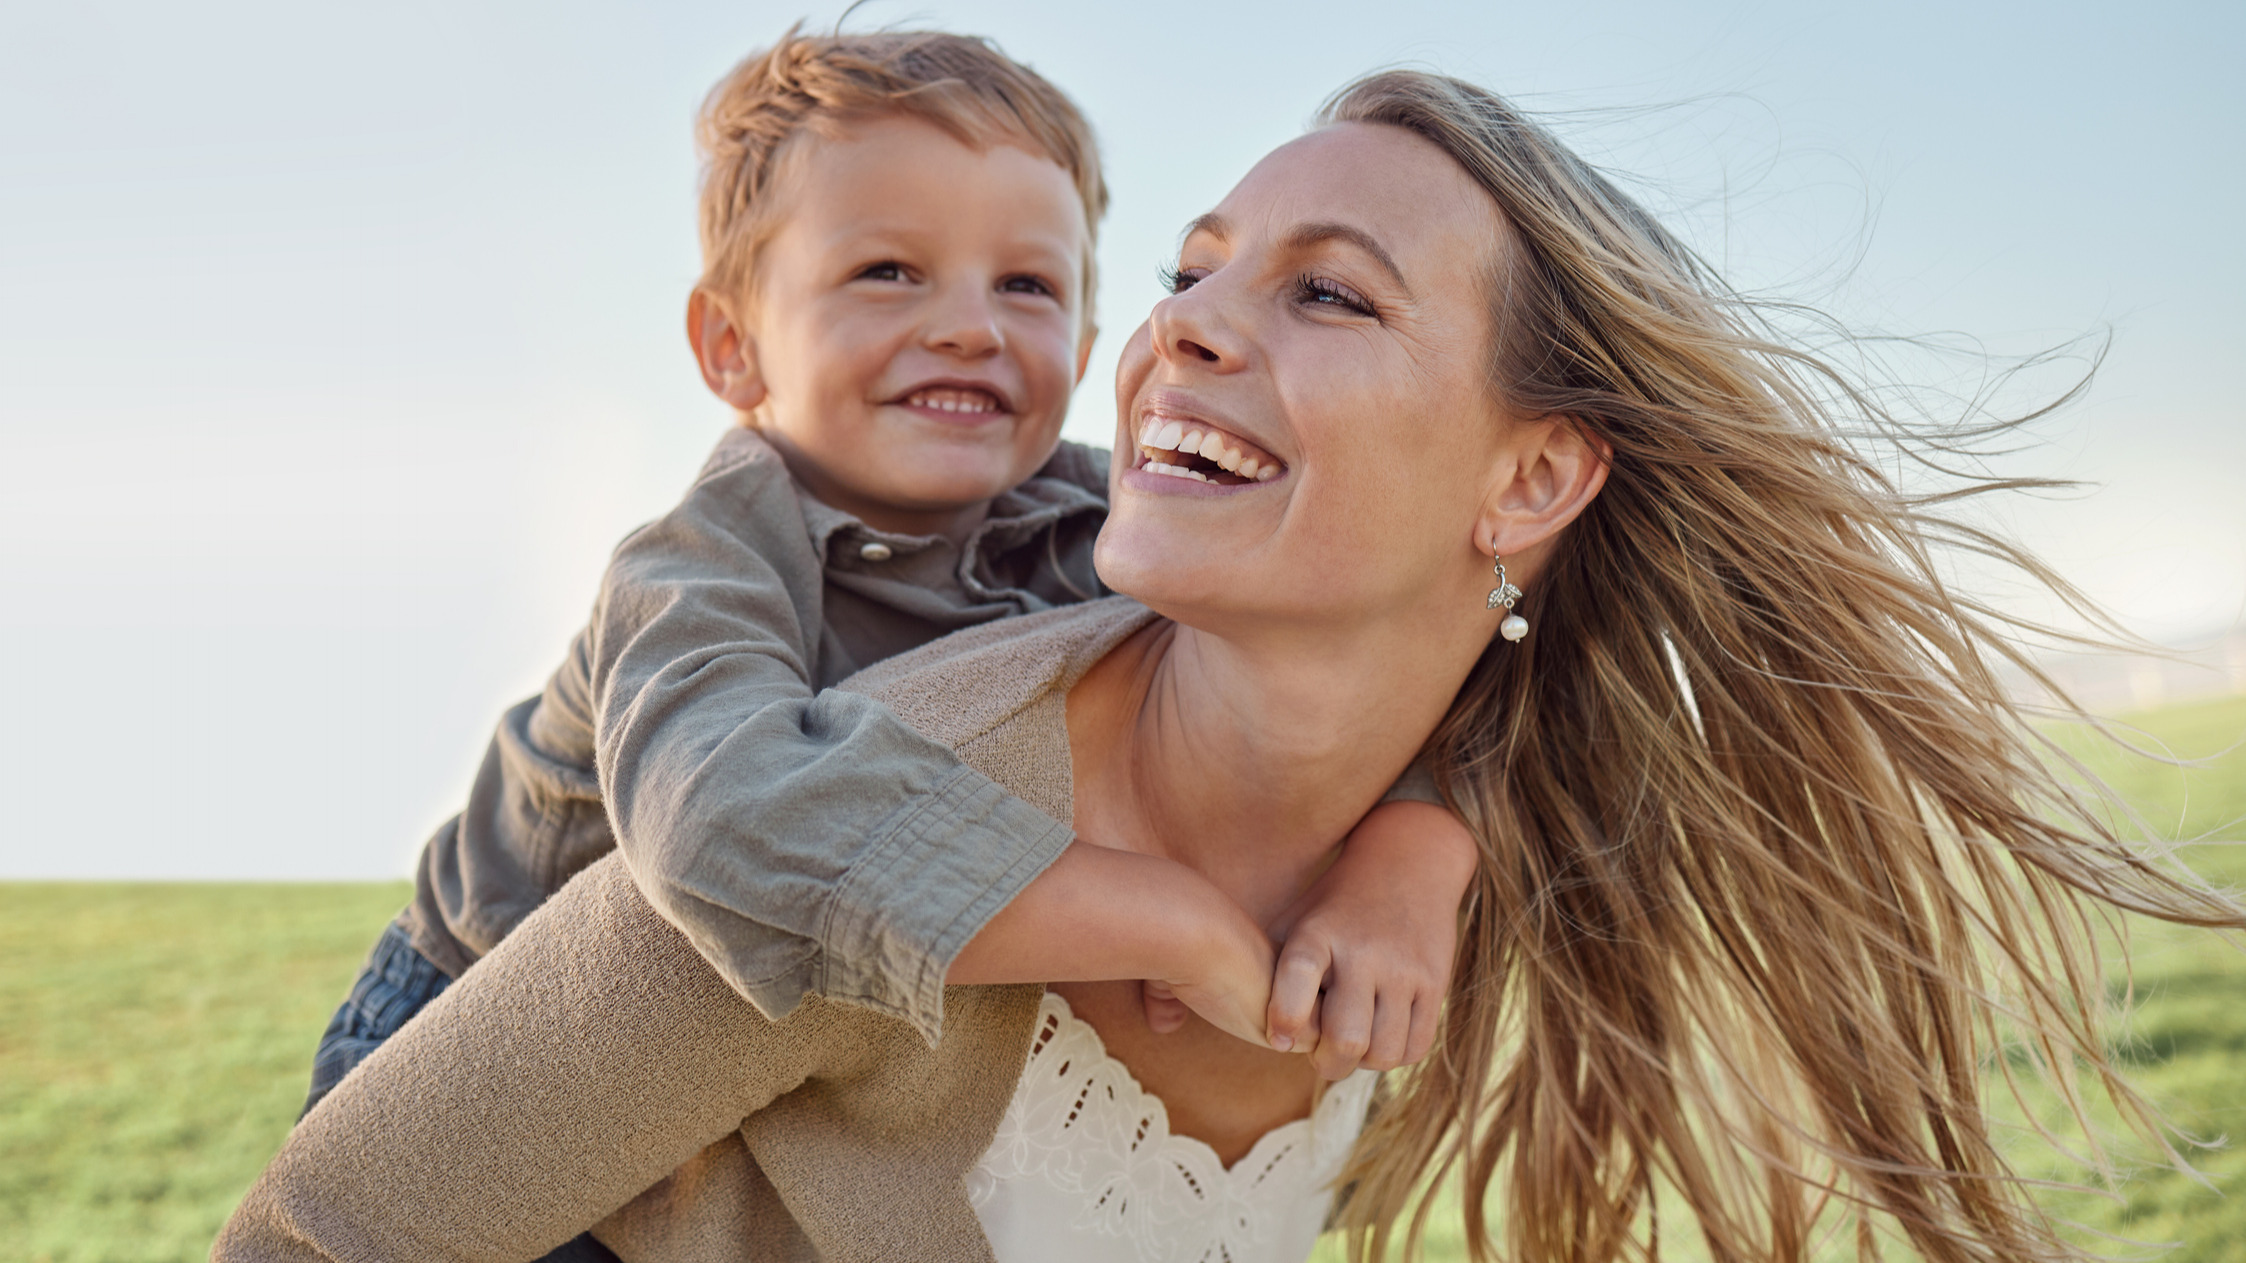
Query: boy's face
column 916, row 327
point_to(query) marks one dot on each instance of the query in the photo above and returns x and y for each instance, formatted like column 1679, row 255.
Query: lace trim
column 1081, row 1124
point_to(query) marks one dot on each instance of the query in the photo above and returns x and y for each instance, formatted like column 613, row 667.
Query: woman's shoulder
column 961, row 687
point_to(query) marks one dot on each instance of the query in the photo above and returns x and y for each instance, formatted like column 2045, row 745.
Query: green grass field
column 155, row 1039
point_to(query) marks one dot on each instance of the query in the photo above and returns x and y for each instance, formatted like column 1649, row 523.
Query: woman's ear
column 1551, row 470
column 725, row 351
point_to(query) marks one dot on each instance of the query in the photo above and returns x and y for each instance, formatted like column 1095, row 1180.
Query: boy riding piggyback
column 897, row 234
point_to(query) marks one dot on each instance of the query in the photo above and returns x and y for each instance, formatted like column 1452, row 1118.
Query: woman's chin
column 1184, row 577
column 1208, row 551
column 1159, row 569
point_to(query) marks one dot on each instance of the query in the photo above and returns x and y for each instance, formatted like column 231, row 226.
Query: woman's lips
column 1186, row 447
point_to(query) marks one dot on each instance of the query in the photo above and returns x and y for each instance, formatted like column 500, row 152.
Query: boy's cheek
column 1052, row 361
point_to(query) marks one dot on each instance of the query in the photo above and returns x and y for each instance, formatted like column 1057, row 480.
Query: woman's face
column 1328, row 339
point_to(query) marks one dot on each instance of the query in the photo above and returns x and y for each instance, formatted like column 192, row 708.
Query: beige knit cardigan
column 594, row 1070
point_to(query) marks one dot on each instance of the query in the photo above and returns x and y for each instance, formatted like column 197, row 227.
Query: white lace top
column 1084, row 1167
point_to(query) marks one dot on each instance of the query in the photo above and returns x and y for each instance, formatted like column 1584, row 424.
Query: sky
column 338, row 344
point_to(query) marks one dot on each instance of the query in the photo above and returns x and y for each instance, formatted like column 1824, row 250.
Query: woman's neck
column 1250, row 761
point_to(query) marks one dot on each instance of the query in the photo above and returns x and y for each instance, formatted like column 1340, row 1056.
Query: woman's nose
column 965, row 324
column 1189, row 328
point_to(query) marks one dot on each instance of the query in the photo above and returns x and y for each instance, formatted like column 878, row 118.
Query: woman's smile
column 1175, row 441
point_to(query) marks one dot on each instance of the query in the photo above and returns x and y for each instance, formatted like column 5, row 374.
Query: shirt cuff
column 903, row 913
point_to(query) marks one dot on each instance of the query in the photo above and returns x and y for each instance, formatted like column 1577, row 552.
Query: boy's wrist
column 1169, row 923
column 1100, row 914
column 1199, row 926
column 1429, row 838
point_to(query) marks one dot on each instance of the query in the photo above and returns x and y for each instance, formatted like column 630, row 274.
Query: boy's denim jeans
column 397, row 983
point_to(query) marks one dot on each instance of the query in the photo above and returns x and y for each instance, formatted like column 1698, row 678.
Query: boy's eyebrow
column 1316, row 233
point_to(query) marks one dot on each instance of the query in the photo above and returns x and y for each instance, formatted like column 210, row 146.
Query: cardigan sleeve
column 589, row 1056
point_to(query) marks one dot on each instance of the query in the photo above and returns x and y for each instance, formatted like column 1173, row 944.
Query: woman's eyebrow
column 1305, row 236
column 1210, row 223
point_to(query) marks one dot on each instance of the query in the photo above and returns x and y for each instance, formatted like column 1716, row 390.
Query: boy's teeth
column 952, row 399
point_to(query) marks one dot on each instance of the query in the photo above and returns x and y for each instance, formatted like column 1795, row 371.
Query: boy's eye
column 1027, row 285
column 886, row 270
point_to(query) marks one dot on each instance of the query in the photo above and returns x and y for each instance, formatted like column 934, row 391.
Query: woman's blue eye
column 1319, row 290
column 1176, row 280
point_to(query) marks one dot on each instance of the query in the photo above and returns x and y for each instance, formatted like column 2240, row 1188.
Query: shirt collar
column 1016, row 516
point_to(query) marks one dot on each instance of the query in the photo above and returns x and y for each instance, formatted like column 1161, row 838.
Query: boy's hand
column 1377, row 933
column 1230, row 987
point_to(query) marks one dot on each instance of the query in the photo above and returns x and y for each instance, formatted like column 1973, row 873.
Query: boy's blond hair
column 822, row 83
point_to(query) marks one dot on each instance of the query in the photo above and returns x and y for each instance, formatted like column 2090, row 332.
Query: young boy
column 897, row 232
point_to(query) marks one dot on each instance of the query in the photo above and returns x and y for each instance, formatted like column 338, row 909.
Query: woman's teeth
column 1230, row 453
column 953, row 399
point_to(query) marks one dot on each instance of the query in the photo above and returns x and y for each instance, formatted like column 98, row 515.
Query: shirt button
column 876, row 551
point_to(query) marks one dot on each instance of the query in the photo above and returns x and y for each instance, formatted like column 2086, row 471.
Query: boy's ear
column 725, row 351
column 1549, row 473
column 1084, row 349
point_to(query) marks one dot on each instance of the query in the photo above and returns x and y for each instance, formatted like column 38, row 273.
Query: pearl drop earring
column 1502, row 597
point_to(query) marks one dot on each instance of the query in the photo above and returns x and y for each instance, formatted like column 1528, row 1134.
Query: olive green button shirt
column 806, row 841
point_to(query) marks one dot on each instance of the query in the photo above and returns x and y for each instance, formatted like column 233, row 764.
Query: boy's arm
column 1377, row 933
column 804, row 842
column 533, row 819
column 1100, row 914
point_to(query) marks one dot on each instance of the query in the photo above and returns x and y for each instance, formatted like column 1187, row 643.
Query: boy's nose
column 965, row 324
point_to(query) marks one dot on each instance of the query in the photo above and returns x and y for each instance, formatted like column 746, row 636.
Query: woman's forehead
column 1393, row 185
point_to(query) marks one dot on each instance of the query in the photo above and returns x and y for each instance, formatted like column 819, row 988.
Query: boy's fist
column 1367, row 950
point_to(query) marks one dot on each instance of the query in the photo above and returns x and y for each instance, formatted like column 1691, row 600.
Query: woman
column 1769, row 862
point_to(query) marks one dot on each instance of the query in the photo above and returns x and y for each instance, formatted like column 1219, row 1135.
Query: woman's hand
column 1374, row 937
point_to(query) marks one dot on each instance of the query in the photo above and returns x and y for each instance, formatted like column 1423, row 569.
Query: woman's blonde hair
column 1772, row 864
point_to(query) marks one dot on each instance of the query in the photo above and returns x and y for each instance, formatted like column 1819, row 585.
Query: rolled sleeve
column 901, row 916
column 826, row 847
